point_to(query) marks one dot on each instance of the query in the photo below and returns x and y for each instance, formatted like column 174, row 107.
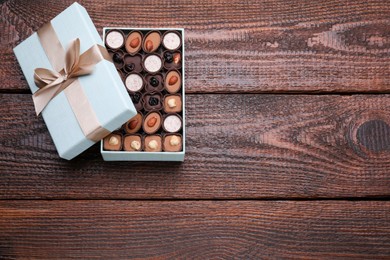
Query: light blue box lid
column 103, row 87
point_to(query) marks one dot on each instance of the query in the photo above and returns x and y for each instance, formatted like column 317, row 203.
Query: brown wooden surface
column 195, row 229
column 241, row 46
column 269, row 173
column 238, row 146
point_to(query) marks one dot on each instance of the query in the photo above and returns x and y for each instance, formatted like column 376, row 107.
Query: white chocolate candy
column 134, row 82
column 172, row 123
column 114, row 39
column 153, row 63
column 171, row 41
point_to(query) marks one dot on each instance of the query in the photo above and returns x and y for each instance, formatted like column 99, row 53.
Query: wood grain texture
column 194, row 229
column 238, row 146
column 240, row 46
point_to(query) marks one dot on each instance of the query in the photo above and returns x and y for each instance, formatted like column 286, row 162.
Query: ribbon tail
column 43, row 96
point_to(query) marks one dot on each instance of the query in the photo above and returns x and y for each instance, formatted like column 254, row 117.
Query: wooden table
column 288, row 140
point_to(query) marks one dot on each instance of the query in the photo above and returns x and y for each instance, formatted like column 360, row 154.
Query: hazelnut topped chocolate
column 172, row 143
column 152, row 143
column 152, row 41
column 133, row 42
column 132, row 143
column 172, row 103
column 134, row 124
column 152, row 122
column 172, row 81
column 171, row 40
column 112, row 142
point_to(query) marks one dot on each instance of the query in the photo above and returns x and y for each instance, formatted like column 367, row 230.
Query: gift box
column 150, row 62
column 74, row 82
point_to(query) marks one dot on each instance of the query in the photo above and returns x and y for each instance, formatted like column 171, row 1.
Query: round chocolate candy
column 152, row 63
column 115, row 39
column 172, row 123
column 134, row 82
column 171, row 40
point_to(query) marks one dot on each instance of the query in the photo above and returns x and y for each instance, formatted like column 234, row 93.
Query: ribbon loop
column 51, row 83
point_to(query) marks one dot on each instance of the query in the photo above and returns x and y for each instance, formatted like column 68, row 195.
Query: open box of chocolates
column 151, row 65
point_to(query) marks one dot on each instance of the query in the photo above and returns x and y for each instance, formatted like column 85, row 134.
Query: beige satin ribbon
column 68, row 66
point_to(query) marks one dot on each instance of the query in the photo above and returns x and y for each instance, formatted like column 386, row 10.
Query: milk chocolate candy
column 133, row 42
column 132, row 143
column 172, row 143
column 152, row 122
column 152, row 143
column 113, row 142
column 134, row 124
column 172, row 103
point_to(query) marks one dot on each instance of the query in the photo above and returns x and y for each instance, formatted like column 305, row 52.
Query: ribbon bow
column 51, row 83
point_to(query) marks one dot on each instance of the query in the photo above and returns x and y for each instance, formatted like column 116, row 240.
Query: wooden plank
column 238, row 146
column 194, row 229
column 240, row 46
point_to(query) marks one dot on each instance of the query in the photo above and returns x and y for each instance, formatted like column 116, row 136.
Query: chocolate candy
column 152, row 143
column 171, row 40
column 132, row 143
column 154, row 83
column 152, row 102
column 152, row 63
column 172, row 103
column 151, row 42
column 152, row 122
column 134, row 82
column 133, row 63
column 136, row 98
column 172, row 81
column 134, row 124
column 115, row 39
column 113, row 142
column 172, row 123
column 172, row 143
column 133, row 42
